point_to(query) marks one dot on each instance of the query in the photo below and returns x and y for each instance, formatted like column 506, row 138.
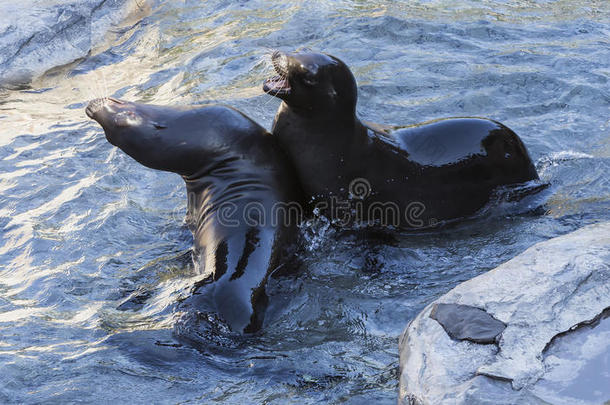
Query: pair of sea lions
column 237, row 174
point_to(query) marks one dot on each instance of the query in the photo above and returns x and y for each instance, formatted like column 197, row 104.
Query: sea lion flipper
column 239, row 293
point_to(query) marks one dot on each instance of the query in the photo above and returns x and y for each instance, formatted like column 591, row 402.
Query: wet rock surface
column 463, row 322
column 554, row 299
column 39, row 34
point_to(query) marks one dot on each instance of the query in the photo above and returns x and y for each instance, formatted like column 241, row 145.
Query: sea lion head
column 180, row 140
column 312, row 81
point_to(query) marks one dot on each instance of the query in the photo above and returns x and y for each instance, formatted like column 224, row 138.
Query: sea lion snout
column 279, row 60
column 278, row 85
column 94, row 106
column 97, row 104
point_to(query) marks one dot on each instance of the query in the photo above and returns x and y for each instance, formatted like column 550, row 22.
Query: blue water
column 84, row 227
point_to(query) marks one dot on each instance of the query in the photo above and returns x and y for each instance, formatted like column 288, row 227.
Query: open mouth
column 278, row 85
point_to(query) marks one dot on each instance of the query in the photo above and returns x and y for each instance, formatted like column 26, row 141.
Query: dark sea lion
column 435, row 171
column 241, row 193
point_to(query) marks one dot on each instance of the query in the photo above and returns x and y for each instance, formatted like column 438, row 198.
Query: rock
column 463, row 322
column 553, row 299
column 41, row 34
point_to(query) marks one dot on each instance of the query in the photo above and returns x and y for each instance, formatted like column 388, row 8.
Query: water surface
column 84, row 226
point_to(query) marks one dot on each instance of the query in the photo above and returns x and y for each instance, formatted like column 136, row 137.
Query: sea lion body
column 236, row 178
column 446, row 169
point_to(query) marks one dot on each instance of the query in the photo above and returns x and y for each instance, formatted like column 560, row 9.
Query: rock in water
column 554, row 299
column 41, row 34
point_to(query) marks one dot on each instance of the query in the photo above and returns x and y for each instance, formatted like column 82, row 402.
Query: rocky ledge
column 535, row 330
column 37, row 35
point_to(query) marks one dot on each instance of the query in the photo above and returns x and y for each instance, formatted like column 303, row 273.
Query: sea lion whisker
column 98, row 88
column 93, row 89
column 269, row 52
column 264, row 64
column 88, row 93
column 105, row 84
column 275, row 91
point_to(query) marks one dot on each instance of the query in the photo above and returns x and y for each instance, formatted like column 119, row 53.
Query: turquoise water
column 84, row 227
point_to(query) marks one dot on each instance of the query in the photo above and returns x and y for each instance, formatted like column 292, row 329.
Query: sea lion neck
column 311, row 119
column 210, row 169
column 317, row 143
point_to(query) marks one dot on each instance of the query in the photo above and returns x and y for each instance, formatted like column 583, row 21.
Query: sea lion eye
column 308, row 74
column 309, row 78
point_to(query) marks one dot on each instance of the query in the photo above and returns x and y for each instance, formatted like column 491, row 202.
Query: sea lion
column 241, row 193
column 408, row 177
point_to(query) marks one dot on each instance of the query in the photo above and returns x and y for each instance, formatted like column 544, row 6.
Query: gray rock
column 555, row 347
column 577, row 365
column 37, row 35
column 463, row 322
